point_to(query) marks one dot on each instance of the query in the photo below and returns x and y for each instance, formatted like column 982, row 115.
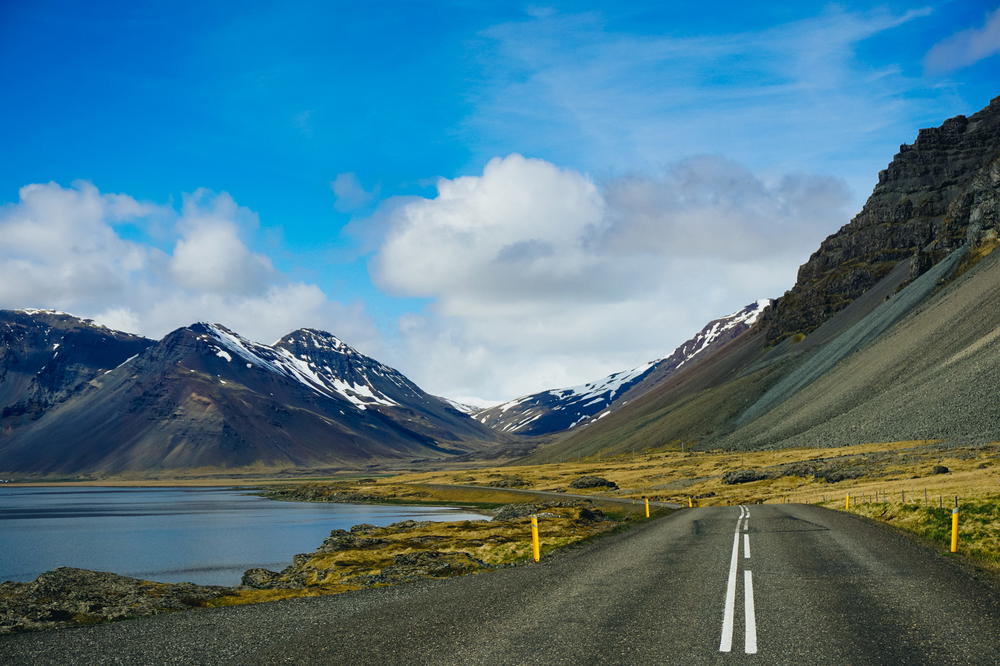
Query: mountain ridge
column 203, row 396
column 557, row 410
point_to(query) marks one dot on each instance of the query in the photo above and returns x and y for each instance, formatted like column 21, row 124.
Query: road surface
column 767, row 584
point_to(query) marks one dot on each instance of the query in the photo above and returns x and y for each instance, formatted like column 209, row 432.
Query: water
column 208, row 536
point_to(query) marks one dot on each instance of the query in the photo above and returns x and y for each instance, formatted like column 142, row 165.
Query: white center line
column 750, row 637
column 746, row 546
column 726, row 644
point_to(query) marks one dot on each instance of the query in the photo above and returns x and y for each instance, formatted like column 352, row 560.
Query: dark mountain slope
column 689, row 406
column 205, row 397
column 861, row 288
column 48, row 356
column 932, row 375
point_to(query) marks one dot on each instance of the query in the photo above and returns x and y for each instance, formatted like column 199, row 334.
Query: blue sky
column 679, row 163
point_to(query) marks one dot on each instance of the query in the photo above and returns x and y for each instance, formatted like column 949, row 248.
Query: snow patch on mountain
column 577, row 406
column 604, row 389
column 303, row 369
column 748, row 316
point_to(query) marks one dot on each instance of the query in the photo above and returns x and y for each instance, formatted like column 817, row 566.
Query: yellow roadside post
column 954, row 530
column 646, row 500
column 536, row 551
column 690, row 502
column 847, row 502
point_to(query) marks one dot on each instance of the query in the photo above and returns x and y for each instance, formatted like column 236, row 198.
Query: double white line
column 750, row 624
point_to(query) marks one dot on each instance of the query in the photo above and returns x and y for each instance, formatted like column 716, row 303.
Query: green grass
column 978, row 526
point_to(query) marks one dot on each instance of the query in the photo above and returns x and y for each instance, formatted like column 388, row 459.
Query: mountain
column 925, row 205
column 205, row 397
column 46, row 356
column 563, row 409
column 889, row 333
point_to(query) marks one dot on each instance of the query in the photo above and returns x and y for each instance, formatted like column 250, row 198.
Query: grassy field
column 807, row 475
column 899, row 483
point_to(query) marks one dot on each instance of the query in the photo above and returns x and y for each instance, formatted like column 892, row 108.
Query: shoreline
column 365, row 556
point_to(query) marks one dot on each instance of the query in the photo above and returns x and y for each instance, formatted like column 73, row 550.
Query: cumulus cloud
column 541, row 277
column 63, row 249
column 349, row 193
column 965, row 48
column 60, row 245
column 210, row 256
column 491, row 238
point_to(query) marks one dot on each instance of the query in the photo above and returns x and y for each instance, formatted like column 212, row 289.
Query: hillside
column 204, row 397
column 46, row 356
column 888, row 334
column 557, row 410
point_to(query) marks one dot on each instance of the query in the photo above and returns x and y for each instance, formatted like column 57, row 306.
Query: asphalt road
column 827, row 588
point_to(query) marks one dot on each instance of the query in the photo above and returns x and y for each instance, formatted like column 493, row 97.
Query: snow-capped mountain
column 204, row 396
column 563, row 409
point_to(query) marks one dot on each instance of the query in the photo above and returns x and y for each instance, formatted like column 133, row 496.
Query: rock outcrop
column 593, row 482
column 936, row 193
column 66, row 597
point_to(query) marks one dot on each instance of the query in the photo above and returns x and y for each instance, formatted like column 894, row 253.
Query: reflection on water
column 201, row 535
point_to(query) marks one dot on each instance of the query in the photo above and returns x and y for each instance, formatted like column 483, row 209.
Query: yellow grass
column 674, row 476
column 493, row 542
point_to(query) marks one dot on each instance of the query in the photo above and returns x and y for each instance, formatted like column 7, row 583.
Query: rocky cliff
column 936, row 193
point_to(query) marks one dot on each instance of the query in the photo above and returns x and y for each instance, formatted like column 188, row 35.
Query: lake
column 208, row 536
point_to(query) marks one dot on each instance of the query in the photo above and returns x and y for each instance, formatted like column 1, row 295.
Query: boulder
column 593, row 482
column 518, row 510
column 507, row 482
column 743, row 476
column 424, row 564
column 68, row 596
column 344, row 540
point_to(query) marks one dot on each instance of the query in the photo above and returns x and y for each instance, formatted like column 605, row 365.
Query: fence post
column 536, row 550
column 954, row 530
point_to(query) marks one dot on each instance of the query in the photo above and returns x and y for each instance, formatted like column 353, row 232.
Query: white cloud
column 61, row 249
column 349, row 193
column 210, row 256
column 541, row 277
column 965, row 48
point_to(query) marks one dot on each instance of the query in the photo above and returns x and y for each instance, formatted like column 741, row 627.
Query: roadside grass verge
column 978, row 526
